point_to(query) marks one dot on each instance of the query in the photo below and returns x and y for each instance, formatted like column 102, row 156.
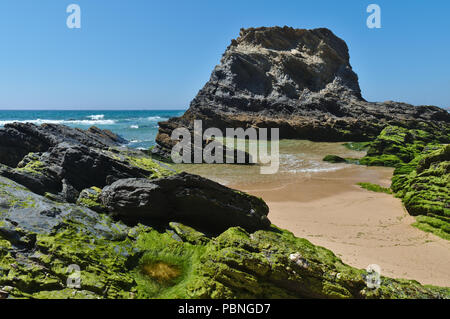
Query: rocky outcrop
column 301, row 82
column 42, row 240
column 63, row 161
column 186, row 198
column 423, row 184
column 19, row 139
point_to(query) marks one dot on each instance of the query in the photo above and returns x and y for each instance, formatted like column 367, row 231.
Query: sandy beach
column 325, row 205
column 360, row 226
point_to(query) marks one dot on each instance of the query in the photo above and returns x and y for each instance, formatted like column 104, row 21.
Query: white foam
column 75, row 122
column 96, row 117
column 316, row 169
column 300, row 163
column 155, row 118
column 134, row 126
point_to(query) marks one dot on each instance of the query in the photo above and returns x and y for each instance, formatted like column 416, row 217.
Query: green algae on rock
column 421, row 177
column 397, row 145
column 67, row 169
column 334, row 159
column 424, row 187
column 375, row 188
column 120, row 261
column 89, row 198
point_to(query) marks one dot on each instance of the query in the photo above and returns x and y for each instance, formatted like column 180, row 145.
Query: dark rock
column 236, row 156
column 66, row 169
column 334, row 159
column 19, row 139
column 188, row 199
column 301, row 82
column 29, row 211
column 3, row 294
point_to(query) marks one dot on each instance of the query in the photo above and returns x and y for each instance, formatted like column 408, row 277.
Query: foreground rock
column 61, row 162
column 74, row 169
column 40, row 239
column 19, row 139
column 189, row 199
column 301, row 82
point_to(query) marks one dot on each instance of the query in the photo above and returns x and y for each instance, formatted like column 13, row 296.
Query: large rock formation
column 301, row 82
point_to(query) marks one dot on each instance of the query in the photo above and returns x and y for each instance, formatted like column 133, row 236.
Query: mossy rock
column 424, row 187
column 90, row 198
column 120, row 261
column 395, row 145
column 334, row 159
column 381, row 160
column 375, row 188
column 189, row 234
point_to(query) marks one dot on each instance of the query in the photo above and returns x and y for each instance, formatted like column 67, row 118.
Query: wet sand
column 321, row 202
column 359, row 226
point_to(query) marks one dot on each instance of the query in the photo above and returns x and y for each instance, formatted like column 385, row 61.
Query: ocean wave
column 300, row 163
column 96, row 117
column 74, row 122
column 134, row 126
column 315, row 169
column 157, row 118
column 135, row 141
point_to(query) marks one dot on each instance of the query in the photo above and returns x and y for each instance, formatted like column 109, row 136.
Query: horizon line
column 59, row 109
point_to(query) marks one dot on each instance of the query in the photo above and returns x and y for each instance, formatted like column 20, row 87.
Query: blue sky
column 157, row 54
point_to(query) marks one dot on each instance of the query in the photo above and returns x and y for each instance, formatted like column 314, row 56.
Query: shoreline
column 360, row 226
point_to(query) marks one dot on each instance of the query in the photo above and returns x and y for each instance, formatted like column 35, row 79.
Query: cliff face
column 300, row 81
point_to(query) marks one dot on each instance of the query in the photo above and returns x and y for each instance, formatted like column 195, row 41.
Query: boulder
column 334, row 159
column 186, row 198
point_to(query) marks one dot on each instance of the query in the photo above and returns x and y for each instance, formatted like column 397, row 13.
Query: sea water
column 138, row 127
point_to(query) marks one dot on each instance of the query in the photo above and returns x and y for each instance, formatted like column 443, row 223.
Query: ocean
column 138, row 127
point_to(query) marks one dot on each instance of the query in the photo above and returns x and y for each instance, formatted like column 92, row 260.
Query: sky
column 145, row 54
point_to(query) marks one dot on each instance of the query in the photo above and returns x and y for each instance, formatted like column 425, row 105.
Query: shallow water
column 298, row 159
